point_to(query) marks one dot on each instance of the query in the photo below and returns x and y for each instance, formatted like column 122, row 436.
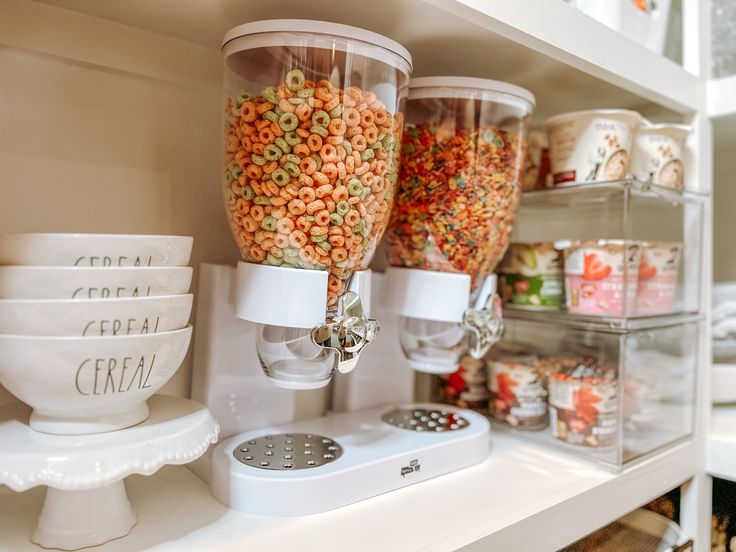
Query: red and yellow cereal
column 457, row 199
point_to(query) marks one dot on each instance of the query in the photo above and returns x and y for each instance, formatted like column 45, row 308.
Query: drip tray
column 288, row 451
column 436, row 420
column 325, row 463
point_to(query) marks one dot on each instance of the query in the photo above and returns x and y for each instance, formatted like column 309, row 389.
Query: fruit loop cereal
column 457, row 200
column 657, row 154
column 601, row 277
column 583, row 405
column 460, row 180
column 309, row 176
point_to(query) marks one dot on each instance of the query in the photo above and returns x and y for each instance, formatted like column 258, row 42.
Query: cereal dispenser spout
column 484, row 326
column 346, row 334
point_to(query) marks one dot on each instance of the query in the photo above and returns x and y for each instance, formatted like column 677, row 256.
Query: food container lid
column 574, row 244
column 647, row 126
column 318, row 28
column 615, row 113
column 587, row 370
column 466, row 87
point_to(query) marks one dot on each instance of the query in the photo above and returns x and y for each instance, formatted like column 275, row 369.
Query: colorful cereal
column 301, row 188
column 457, row 199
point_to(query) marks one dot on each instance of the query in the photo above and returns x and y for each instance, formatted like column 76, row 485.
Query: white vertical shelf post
column 697, row 494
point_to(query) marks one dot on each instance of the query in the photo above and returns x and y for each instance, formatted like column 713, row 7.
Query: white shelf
column 720, row 455
column 546, row 46
column 523, row 495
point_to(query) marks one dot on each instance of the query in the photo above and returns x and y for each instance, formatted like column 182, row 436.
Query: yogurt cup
column 658, row 271
column 468, row 387
column 583, row 405
column 591, row 146
column 536, row 168
column 531, row 275
column 601, row 277
column 657, row 154
column 518, row 392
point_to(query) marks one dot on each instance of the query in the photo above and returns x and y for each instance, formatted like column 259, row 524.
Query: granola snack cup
column 591, row 146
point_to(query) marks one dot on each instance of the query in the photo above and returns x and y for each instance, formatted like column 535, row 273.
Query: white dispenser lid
column 318, row 28
column 426, row 294
column 466, row 87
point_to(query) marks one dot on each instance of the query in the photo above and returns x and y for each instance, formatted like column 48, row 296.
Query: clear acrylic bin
column 609, row 394
column 657, row 230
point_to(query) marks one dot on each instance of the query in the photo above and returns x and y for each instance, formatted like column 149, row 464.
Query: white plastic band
column 290, row 297
column 427, row 295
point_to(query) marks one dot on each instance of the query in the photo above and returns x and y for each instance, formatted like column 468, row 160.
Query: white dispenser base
column 376, row 458
column 86, row 503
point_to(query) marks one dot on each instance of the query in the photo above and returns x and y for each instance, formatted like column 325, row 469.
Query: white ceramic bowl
column 80, row 385
column 94, row 250
column 94, row 317
column 56, row 282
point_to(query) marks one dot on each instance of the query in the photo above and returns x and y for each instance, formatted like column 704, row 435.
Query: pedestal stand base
column 71, row 520
column 86, row 504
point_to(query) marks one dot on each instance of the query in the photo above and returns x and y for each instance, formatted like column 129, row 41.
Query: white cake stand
column 86, row 503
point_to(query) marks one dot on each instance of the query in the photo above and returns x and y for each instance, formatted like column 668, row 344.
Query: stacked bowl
column 92, row 325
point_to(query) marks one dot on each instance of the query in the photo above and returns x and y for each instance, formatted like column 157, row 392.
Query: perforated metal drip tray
column 425, row 419
column 288, row 451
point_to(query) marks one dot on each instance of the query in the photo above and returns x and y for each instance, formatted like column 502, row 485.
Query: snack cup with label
column 601, row 277
column 583, row 405
column 658, row 274
column 531, row 275
column 591, row 146
column 518, row 392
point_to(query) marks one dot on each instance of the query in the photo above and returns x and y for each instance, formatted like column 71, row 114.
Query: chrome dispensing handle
column 347, row 333
column 484, row 321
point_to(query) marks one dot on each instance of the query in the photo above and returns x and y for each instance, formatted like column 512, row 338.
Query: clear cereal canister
column 458, row 193
column 313, row 122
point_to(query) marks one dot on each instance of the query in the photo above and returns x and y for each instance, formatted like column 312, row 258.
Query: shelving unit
column 721, row 445
column 522, row 492
column 126, row 97
column 602, row 323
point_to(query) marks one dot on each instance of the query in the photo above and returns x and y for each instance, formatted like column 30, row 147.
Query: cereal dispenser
column 313, row 121
column 459, row 190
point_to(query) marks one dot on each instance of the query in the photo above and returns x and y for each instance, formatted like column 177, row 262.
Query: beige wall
column 105, row 128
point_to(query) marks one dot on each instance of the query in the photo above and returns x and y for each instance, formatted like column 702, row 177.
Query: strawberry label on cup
column 583, row 413
column 518, row 394
column 658, row 272
column 601, row 278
